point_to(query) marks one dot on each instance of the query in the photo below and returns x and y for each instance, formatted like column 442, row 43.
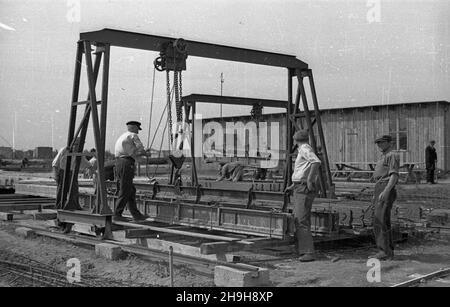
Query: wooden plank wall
column 358, row 128
column 350, row 133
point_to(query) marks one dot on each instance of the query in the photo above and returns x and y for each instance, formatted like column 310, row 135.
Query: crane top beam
column 149, row 42
column 201, row 98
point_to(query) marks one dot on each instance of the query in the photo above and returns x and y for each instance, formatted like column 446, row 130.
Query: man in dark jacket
column 430, row 161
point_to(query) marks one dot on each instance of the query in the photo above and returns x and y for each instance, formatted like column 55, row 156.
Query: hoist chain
column 178, row 106
column 169, row 109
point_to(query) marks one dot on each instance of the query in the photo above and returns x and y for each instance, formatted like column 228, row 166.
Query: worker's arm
column 56, row 163
column 309, row 155
column 393, row 179
column 394, row 164
column 311, row 181
column 222, row 173
column 140, row 150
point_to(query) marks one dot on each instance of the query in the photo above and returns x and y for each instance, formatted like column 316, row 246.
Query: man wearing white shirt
column 59, row 166
column 304, row 178
column 127, row 148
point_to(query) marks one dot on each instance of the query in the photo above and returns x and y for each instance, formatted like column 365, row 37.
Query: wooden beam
column 179, row 232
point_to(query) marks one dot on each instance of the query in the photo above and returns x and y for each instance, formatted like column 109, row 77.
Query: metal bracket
column 250, row 198
column 198, row 193
column 155, row 189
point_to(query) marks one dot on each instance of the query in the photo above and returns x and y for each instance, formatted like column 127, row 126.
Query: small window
column 402, row 141
column 402, row 124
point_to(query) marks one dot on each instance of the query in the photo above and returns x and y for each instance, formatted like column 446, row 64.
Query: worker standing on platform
column 386, row 176
column 59, row 166
column 304, row 189
column 128, row 147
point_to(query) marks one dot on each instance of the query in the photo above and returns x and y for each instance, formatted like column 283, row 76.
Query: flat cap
column 135, row 123
column 384, row 138
column 301, row 135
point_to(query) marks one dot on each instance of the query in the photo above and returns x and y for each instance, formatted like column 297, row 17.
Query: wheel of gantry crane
column 99, row 231
column 180, row 45
column 158, row 62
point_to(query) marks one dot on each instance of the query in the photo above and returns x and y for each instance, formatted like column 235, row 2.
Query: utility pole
column 14, row 137
column 222, row 80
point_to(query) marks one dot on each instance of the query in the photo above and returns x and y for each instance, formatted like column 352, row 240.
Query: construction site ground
column 336, row 264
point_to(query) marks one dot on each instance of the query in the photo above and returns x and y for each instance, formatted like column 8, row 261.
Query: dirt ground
column 347, row 268
column 417, row 256
column 132, row 270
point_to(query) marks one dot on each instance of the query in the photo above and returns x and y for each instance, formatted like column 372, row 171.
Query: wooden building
column 350, row 132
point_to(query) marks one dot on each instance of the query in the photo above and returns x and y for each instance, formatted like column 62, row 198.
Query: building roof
column 347, row 108
column 385, row 105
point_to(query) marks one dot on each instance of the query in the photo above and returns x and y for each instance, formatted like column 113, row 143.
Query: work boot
column 382, row 256
column 140, row 218
column 307, row 257
column 119, row 218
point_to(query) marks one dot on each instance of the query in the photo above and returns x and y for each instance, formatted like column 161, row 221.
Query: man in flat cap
column 303, row 186
column 430, row 161
column 386, row 176
column 128, row 147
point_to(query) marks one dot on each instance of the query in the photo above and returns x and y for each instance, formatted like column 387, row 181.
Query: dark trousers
column 430, row 173
column 127, row 191
column 59, row 178
column 303, row 200
column 382, row 219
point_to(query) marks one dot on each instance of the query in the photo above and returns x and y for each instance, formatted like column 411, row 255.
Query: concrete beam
column 25, row 232
column 108, row 251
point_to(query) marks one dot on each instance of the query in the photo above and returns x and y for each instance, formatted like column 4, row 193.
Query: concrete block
column 108, row 251
column 25, row 232
column 439, row 217
column 230, row 277
column 5, row 216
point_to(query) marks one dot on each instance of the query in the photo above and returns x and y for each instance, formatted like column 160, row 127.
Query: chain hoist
column 173, row 58
column 169, row 108
column 256, row 112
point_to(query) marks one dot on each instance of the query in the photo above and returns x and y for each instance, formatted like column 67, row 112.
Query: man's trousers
column 303, row 200
column 382, row 219
column 127, row 191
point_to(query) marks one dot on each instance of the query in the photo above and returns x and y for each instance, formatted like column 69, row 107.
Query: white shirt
column 60, row 160
column 127, row 145
column 305, row 158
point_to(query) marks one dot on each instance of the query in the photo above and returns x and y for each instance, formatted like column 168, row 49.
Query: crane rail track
column 21, row 271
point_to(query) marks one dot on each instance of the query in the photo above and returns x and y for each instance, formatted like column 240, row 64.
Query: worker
column 128, row 148
column 59, row 166
column 232, row 171
column 304, row 189
column 386, row 176
column 430, row 161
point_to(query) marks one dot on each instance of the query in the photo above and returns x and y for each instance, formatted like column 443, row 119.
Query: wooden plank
column 139, row 233
column 179, row 232
column 22, row 207
column 184, row 249
column 6, row 216
column 225, row 247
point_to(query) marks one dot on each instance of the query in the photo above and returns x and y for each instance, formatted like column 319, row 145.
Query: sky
column 361, row 52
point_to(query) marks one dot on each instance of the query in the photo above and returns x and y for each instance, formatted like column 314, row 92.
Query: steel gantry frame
column 103, row 40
